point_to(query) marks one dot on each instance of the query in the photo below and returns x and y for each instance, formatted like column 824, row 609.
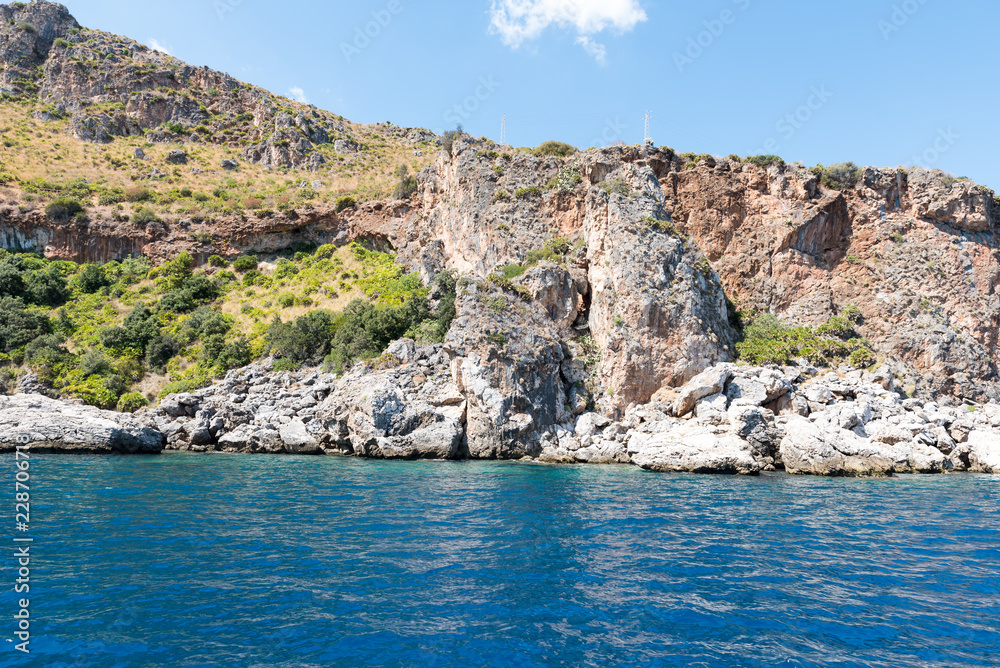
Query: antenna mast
column 646, row 138
column 503, row 130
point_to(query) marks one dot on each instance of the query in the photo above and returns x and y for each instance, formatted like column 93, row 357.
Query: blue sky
column 879, row 82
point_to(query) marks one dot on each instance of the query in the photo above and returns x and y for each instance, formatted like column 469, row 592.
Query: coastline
column 730, row 419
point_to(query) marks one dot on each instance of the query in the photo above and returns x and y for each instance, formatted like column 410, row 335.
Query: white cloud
column 155, row 45
column 518, row 21
column 595, row 49
column 299, row 94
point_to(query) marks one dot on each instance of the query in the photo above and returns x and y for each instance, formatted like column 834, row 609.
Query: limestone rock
column 47, row 425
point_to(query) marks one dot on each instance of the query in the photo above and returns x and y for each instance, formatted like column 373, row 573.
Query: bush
column 46, row 287
column 131, row 402
column 144, row 216
column 405, row 188
column 234, row 355
column 138, row 194
column 19, row 326
column 185, row 192
column 449, row 139
column 307, row 339
column 345, row 202
column 111, row 196
column 769, row 341
column 556, row 249
column 765, row 161
column 63, row 208
column 286, row 300
column 841, row 176
column 46, row 351
column 245, row 263
column 556, row 149
column 138, row 329
column 11, row 280
column 94, row 363
column 851, row 312
column 216, row 261
column 531, row 191
column 325, row 252
column 92, row 278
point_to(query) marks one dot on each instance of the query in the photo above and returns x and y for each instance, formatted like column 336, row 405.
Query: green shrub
column 556, row 249
column 216, row 261
column 531, row 191
column 234, row 355
column 46, row 287
column 512, row 271
column 94, row 363
column 851, row 312
column 405, row 188
column 345, row 202
column 286, row 300
column 769, row 341
column 245, row 263
column 18, row 325
column 63, row 208
column 556, row 149
column 306, row 339
column 185, row 192
column 92, row 278
column 138, row 329
column 111, row 196
column 325, row 252
column 131, row 402
column 566, row 179
column 449, row 138
column 766, row 161
column 144, row 216
column 841, row 176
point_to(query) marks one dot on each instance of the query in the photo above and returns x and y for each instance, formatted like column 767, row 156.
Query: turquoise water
column 192, row 560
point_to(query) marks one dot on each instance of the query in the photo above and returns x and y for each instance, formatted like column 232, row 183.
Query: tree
column 46, row 287
column 19, row 326
column 139, row 328
column 11, row 281
column 92, row 278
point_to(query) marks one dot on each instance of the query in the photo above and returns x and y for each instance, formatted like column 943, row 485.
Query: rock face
column 47, row 425
column 477, row 398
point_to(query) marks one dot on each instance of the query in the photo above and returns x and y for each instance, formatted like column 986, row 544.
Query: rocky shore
column 730, row 419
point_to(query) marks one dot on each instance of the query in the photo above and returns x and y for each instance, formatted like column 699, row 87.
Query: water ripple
column 254, row 561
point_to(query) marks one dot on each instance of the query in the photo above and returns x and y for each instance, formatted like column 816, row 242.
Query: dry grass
column 33, row 148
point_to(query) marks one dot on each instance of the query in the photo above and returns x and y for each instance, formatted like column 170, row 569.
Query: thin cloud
column 519, row 21
column 299, row 94
column 155, row 45
column 595, row 49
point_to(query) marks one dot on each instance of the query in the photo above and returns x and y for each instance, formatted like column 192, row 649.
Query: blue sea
column 219, row 560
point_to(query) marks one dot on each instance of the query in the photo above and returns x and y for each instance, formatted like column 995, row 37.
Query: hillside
column 595, row 280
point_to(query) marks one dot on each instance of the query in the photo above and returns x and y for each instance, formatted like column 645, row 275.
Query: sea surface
column 219, row 560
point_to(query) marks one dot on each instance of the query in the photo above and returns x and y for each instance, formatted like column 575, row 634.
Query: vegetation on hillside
column 767, row 340
column 119, row 334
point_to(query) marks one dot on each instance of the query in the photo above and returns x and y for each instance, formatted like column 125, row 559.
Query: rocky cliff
column 595, row 284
